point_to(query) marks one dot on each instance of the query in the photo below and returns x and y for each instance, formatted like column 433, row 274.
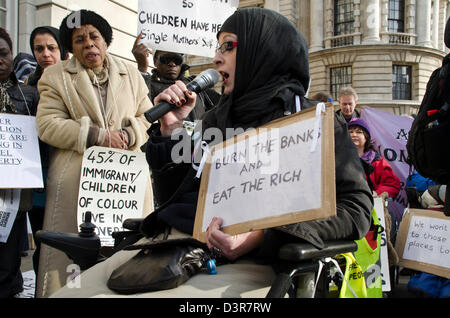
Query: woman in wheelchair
column 264, row 63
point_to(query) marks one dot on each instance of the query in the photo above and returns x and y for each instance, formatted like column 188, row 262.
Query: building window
column 401, row 82
column 343, row 17
column 396, row 18
column 340, row 77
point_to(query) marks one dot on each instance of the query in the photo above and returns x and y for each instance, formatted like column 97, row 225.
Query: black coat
column 29, row 98
column 354, row 197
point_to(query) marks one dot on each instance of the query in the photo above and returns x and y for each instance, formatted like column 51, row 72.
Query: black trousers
column 11, row 281
column 36, row 217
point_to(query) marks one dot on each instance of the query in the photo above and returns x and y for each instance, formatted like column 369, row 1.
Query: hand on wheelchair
column 231, row 246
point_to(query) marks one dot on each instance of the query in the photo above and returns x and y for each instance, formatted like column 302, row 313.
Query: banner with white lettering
column 9, row 205
column 390, row 134
column 112, row 188
column 20, row 161
column 183, row 26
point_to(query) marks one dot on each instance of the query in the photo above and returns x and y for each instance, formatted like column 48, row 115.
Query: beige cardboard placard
column 270, row 176
column 423, row 242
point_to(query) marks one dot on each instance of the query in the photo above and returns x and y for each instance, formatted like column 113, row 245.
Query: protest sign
column 423, row 242
column 270, row 176
column 390, row 134
column 20, row 161
column 185, row 26
column 379, row 204
column 112, row 188
column 9, row 205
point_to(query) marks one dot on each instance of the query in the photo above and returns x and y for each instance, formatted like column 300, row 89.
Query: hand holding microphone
column 178, row 100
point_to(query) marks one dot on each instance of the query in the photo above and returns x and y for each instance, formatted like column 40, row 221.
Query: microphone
column 205, row 79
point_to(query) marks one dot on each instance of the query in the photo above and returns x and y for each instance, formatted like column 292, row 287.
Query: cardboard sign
column 270, row 176
column 20, row 160
column 9, row 205
column 423, row 242
column 112, row 188
column 184, row 26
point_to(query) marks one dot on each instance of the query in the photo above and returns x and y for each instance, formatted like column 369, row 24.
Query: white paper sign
column 9, row 205
column 385, row 277
column 428, row 241
column 277, row 164
column 20, row 160
column 183, row 26
column 112, row 188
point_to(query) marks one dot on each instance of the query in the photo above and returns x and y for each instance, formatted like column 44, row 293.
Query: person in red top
column 383, row 177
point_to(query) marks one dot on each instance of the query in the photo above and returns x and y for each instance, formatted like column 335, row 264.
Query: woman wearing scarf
column 261, row 79
column 262, row 76
column 47, row 50
column 383, row 177
column 20, row 99
column 91, row 99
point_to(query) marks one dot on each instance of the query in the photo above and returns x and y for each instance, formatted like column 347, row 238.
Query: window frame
column 346, row 81
column 396, row 90
column 396, row 16
column 348, row 22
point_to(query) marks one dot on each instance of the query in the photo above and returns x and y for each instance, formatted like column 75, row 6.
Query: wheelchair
column 302, row 269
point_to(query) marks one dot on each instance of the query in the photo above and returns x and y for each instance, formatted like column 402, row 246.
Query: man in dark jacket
column 15, row 98
column 348, row 100
column 169, row 67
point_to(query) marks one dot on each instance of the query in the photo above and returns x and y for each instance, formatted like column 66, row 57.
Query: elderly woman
column 254, row 94
column 91, row 99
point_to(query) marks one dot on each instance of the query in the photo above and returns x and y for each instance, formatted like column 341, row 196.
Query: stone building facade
column 385, row 49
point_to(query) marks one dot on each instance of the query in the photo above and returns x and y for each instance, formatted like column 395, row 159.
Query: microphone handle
column 155, row 113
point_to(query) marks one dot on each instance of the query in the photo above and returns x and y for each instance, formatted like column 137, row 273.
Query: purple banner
column 390, row 134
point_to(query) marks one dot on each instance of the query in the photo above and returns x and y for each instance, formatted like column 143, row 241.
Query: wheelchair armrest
column 84, row 251
column 132, row 224
column 296, row 252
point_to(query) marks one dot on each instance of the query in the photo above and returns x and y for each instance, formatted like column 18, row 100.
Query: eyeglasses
column 226, row 46
column 167, row 58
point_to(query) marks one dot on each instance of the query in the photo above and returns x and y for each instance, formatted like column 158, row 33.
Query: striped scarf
column 6, row 106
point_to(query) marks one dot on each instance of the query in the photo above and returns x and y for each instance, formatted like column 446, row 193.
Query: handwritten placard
column 423, row 242
column 184, row 26
column 379, row 205
column 20, row 161
column 269, row 176
column 112, row 188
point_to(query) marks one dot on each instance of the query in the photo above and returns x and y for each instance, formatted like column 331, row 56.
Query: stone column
column 316, row 25
column 423, row 22
column 436, row 24
column 372, row 27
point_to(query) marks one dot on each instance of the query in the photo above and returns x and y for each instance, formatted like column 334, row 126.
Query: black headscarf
column 36, row 76
column 271, row 68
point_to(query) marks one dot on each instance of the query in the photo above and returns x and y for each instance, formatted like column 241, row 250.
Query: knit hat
column 359, row 122
column 79, row 18
column 53, row 32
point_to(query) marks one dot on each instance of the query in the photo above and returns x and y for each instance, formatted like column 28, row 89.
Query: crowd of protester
column 93, row 98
